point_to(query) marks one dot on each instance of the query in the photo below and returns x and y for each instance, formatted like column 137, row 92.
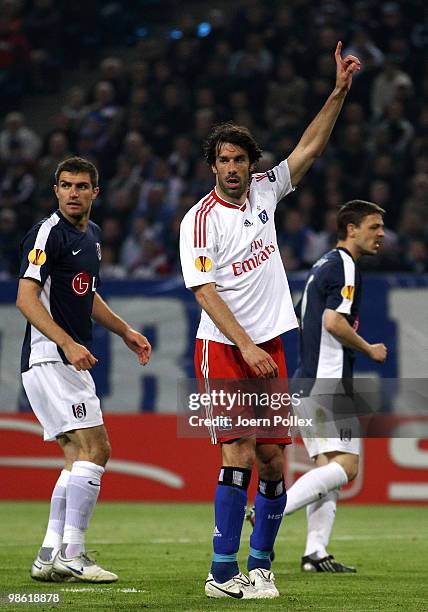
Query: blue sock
column 270, row 504
column 230, row 502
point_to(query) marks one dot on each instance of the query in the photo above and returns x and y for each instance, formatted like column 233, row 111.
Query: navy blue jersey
column 65, row 262
column 334, row 282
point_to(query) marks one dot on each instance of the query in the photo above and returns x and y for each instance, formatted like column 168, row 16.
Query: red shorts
column 218, row 360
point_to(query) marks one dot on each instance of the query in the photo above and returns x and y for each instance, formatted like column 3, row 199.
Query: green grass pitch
column 162, row 554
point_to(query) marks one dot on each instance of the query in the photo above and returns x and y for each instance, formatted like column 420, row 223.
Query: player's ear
column 95, row 192
column 350, row 230
column 55, row 188
column 213, row 168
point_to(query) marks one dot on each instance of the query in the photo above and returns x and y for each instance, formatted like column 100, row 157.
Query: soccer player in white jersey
column 57, row 294
column 230, row 259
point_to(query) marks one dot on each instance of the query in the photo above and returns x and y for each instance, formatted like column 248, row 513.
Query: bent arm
column 103, row 314
column 136, row 342
column 28, row 302
column 337, row 325
column 221, row 315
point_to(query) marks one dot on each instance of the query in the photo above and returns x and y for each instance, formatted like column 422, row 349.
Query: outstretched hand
column 345, row 68
column 138, row 344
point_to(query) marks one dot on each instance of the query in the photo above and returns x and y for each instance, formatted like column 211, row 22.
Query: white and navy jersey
column 236, row 248
column 334, row 282
column 65, row 262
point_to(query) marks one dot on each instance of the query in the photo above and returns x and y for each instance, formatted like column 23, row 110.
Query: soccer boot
column 238, row 587
column 264, row 581
column 326, row 564
column 250, row 516
column 42, row 571
column 83, row 568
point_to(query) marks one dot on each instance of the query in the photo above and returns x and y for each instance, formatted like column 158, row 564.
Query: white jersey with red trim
column 236, row 248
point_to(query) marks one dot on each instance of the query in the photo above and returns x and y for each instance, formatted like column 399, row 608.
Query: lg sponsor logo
column 81, row 283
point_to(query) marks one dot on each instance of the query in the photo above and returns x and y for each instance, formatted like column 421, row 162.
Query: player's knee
column 350, row 465
column 352, row 471
column 239, row 453
column 105, row 452
column 271, row 467
column 98, row 453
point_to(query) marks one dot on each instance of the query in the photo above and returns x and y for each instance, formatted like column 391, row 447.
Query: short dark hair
column 76, row 165
column 235, row 134
column 354, row 212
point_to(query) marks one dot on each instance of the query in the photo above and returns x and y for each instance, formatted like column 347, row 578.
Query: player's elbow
column 21, row 301
column 203, row 292
column 331, row 321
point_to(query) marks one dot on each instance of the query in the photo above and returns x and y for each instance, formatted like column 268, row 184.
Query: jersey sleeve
column 338, row 283
column 38, row 253
column 278, row 180
column 197, row 249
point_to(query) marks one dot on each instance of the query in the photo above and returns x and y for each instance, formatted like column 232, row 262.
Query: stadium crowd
column 268, row 66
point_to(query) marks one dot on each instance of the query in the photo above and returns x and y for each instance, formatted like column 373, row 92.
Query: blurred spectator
column 75, row 108
column 9, row 244
column 155, row 206
column 418, row 197
column 398, row 129
column 321, row 242
column 112, row 70
column 112, row 234
column 153, row 104
column 182, row 158
column 386, row 86
column 365, row 49
column 43, row 28
column 416, row 256
column 296, row 235
column 18, row 139
column 121, row 194
column 14, row 62
column 110, row 268
column 57, row 150
column 143, row 254
column 16, row 191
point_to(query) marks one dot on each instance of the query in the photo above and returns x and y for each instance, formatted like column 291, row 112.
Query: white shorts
column 329, row 432
column 62, row 398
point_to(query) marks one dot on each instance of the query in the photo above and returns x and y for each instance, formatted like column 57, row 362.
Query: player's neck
column 351, row 247
column 80, row 223
column 227, row 198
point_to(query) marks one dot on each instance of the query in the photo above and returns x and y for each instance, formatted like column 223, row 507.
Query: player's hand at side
column 378, row 352
column 138, row 344
column 79, row 356
column 260, row 361
column 345, row 68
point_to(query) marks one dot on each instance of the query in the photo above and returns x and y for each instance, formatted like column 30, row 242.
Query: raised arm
column 317, row 134
column 136, row 342
column 219, row 312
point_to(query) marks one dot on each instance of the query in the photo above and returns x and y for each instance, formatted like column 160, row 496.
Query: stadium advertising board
column 151, row 463
column 145, row 444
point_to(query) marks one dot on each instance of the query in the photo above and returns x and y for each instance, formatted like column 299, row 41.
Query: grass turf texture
column 162, row 554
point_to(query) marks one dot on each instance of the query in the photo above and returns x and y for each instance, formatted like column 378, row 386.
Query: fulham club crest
column 79, row 411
